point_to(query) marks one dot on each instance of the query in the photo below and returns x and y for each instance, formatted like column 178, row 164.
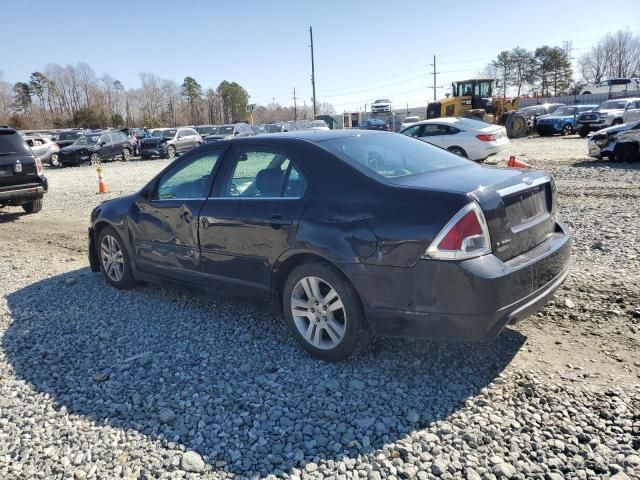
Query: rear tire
column 516, row 126
column 33, row 206
column 115, row 263
column 458, row 151
column 53, row 160
column 329, row 321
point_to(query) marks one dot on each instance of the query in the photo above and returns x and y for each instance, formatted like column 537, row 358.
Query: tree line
column 75, row 96
column 547, row 70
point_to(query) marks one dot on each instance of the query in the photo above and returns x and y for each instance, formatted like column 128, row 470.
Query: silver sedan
column 45, row 149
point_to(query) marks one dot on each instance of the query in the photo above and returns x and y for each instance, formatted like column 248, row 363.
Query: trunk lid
column 518, row 205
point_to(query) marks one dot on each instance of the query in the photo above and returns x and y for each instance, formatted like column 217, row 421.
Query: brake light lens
column 39, row 167
column 484, row 137
column 465, row 236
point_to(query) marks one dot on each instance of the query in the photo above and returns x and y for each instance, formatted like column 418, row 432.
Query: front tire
column 54, row 160
column 567, row 130
column 95, row 159
column 115, row 263
column 583, row 132
column 171, row 152
column 126, row 155
column 323, row 312
column 33, row 206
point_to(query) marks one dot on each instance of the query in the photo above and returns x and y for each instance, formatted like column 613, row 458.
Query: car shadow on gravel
column 228, row 381
column 6, row 216
column 607, row 164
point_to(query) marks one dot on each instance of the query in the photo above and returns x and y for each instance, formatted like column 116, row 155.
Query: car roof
column 312, row 136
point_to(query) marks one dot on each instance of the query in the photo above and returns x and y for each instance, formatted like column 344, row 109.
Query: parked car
column 382, row 105
column 226, row 132
column 319, row 125
column 407, row 122
column 467, row 137
column 563, row 121
column 422, row 243
column 374, row 124
column 45, row 149
column 607, row 114
column 613, row 85
column 169, row 142
column 533, row 112
column 619, row 143
column 94, row 148
column 22, row 180
column 67, row 137
column 631, row 112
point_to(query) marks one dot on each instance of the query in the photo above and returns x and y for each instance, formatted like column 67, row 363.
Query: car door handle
column 278, row 220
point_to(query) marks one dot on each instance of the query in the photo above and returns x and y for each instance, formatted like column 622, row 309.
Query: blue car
column 563, row 120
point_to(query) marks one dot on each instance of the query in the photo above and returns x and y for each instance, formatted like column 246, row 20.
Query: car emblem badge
column 18, row 167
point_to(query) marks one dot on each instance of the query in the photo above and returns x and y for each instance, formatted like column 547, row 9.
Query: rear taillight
column 465, row 236
column 39, row 168
column 483, row 137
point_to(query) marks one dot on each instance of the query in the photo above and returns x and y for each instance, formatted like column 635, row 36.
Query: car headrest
column 269, row 182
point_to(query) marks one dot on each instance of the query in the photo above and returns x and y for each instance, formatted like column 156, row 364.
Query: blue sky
column 364, row 49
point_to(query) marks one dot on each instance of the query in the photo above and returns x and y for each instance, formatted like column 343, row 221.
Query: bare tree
column 615, row 55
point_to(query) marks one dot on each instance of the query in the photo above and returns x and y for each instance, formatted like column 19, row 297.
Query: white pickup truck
column 607, row 114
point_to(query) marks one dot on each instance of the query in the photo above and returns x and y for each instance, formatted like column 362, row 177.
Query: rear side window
column 12, row 143
column 391, row 155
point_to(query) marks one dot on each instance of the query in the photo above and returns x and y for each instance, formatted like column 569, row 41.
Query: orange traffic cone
column 102, row 185
column 514, row 163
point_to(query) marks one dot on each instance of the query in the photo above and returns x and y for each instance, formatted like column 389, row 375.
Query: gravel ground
column 155, row 383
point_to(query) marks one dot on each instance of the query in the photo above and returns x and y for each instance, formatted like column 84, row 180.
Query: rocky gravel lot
column 156, row 383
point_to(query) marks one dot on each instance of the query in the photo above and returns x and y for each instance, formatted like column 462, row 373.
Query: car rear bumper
column 467, row 300
column 30, row 191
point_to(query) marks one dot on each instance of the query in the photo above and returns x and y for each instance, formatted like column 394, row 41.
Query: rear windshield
column 206, row 130
column 273, row 128
column 11, row 143
column 471, row 123
column 164, row 133
column 391, row 155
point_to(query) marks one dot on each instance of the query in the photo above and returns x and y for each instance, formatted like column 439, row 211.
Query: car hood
column 76, row 148
column 615, row 129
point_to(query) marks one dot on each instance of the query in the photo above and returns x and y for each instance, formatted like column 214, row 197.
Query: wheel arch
column 286, row 265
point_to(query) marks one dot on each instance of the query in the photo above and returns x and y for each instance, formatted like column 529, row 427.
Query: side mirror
column 180, row 137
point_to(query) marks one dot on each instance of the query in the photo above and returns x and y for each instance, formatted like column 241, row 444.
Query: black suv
column 93, row 148
column 22, row 180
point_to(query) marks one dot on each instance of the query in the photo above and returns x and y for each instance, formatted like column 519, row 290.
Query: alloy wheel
column 171, row 152
column 112, row 258
column 54, row 160
column 94, row 159
column 567, row 130
column 318, row 313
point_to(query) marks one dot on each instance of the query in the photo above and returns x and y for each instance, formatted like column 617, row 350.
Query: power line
column 313, row 73
column 435, row 83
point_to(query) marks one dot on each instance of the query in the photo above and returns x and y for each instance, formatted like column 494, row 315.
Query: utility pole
column 295, row 106
column 313, row 73
column 434, row 77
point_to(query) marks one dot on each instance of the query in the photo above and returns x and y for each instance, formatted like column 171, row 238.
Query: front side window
column 189, row 180
column 264, row 174
column 433, row 130
column 104, row 140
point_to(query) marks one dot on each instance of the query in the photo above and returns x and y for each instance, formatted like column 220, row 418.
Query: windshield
column 206, row 130
column 68, row 135
column 87, row 140
column 273, row 128
column 318, row 123
column 224, row 130
column 390, row 155
column 164, row 133
column 613, row 105
column 564, row 111
column 384, row 100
